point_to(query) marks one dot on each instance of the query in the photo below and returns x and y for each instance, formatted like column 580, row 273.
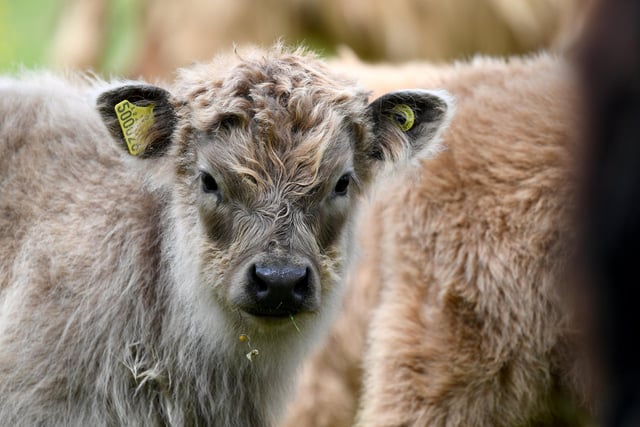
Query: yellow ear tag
column 135, row 122
column 403, row 116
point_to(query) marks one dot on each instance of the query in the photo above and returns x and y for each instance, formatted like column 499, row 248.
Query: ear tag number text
column 135, row 121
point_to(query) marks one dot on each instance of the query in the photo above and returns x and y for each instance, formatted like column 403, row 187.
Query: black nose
column 278, row 290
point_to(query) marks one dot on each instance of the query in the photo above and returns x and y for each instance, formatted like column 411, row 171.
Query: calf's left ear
column 408, row 123
column 141, row 118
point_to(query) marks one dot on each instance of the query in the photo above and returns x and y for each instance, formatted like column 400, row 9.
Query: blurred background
column 151, row 38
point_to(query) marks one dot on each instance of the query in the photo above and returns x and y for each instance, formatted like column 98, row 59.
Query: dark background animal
column 609, row 66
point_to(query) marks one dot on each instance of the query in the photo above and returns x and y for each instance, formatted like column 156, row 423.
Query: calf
column 168, row 257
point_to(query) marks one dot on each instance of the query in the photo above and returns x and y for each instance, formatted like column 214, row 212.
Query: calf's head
column 268, row 152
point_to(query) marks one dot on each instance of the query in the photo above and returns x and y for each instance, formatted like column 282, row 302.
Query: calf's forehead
column 253, row 80
column 274, row 110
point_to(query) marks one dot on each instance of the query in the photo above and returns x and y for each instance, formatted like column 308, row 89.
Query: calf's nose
column 278, row 290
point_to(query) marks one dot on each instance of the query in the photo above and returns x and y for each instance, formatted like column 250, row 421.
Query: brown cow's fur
column 124, row 284
column 452, row 315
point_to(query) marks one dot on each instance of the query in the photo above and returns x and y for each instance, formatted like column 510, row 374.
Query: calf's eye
column 209, row 184
column 342, row 185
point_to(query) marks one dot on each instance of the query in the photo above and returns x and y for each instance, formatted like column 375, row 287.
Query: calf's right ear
column 408, row 123
column 141, row 118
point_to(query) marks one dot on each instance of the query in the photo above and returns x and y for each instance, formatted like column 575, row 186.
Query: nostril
column 260, row 284
column 301, row 287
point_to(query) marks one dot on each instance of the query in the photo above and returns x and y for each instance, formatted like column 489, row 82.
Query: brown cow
column 453, row 314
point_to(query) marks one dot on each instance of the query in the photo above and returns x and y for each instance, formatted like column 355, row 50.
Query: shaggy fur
column 452, row 315
column 123, row 283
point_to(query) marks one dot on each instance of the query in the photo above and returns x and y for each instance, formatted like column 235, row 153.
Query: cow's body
column 453, row 314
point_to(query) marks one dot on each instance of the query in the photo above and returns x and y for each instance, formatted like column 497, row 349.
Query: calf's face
column 268, row 157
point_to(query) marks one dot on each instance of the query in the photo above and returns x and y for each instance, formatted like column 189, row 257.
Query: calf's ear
column 408, row 123
column 141, row 118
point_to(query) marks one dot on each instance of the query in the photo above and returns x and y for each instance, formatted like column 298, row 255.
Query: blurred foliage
column 151, row 38
column 123, row 34
column 26, row 30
